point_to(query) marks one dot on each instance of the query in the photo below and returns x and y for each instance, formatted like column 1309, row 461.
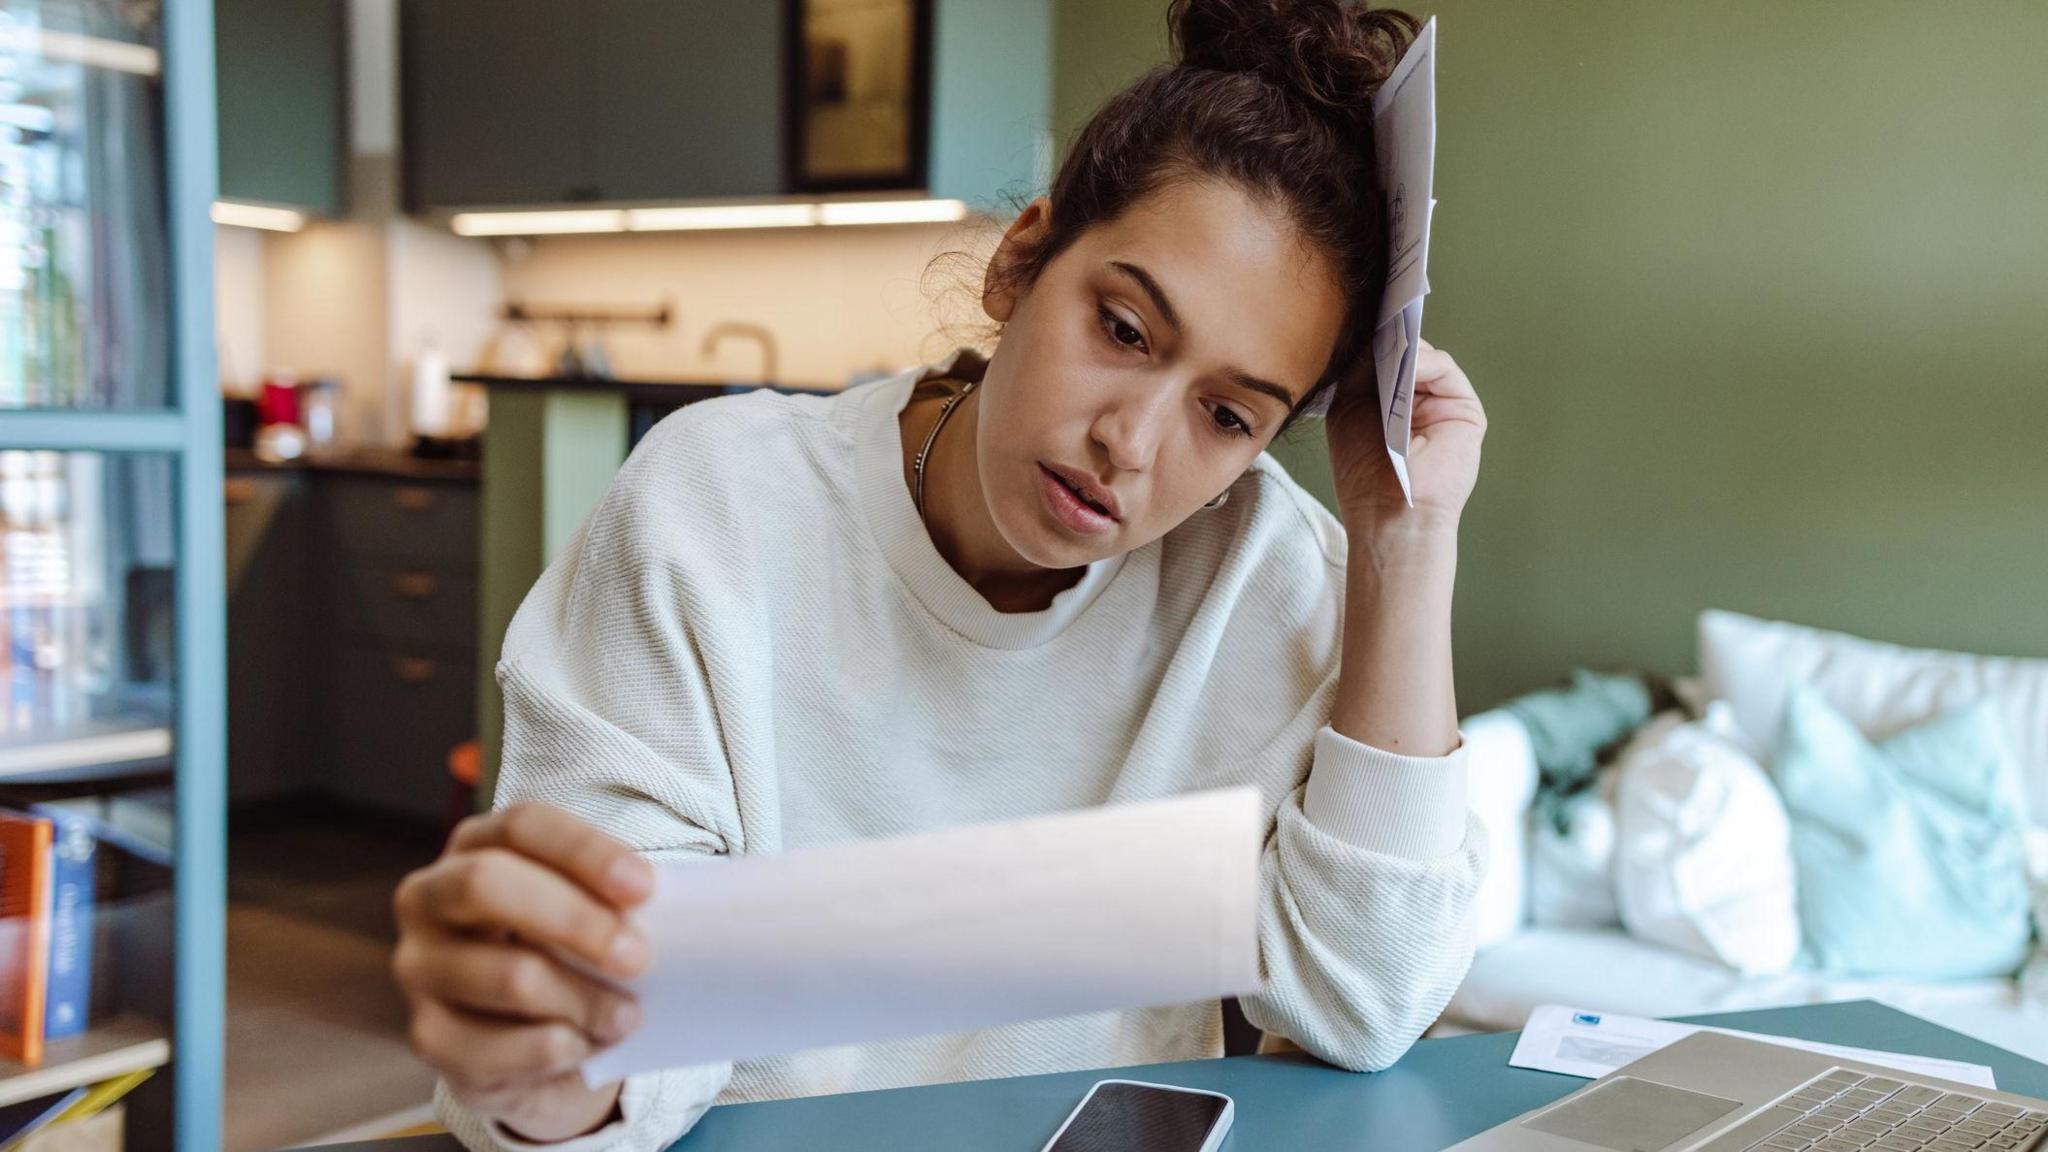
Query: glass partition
column 84, row 255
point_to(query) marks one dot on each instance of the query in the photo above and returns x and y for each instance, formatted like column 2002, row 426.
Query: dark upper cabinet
column 279, row 66
column 510, row 102
column 685, row 98
column 493, row 114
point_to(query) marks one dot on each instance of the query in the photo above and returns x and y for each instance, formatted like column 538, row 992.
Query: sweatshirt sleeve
column 609, row 715
column 1368, row 881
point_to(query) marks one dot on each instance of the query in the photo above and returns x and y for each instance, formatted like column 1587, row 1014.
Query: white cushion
column 1611, row 971
column 1882, row 688
column 1703, row 857
column 2034, row 981
column 1571, row 874
column 1501, row 768
column 2037, row 868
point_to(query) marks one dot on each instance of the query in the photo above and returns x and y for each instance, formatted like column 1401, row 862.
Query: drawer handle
column 414, row 669
column 413, row 499
column 412, row 585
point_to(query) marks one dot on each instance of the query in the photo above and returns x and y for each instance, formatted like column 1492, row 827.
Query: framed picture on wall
column 856, row 94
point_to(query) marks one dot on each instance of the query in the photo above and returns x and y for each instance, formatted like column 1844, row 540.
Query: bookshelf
column 118, row 1046
column 112, row 584
column 107, row 750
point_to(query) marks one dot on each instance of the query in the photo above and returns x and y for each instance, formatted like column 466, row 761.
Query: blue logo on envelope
column 1586, row 1018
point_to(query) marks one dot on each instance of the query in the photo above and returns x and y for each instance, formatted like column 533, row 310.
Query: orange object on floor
column 465, row 760
column 465, row 764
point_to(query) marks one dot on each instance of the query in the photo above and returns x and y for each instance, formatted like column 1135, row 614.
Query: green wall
column 1757, row 295
column 1098, row 47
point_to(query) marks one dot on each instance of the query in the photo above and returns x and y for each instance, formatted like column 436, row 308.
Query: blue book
column 17, row 1121
column 73, row 846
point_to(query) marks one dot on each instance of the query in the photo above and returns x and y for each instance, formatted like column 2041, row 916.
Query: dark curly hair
column 1272, row 95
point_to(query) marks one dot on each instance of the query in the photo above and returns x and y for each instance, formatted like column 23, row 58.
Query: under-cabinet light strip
column 706, row 217
column 97, row 52
column 263, row 216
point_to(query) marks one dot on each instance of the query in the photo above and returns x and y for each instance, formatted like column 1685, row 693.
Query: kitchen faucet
column 757, row 332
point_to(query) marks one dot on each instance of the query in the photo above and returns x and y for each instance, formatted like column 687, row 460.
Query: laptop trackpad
column 1630, row 1115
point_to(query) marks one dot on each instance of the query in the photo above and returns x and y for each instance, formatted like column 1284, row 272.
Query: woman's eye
column 1229, row 421
column 1119, row 331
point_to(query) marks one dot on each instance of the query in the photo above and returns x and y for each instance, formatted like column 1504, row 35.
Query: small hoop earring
column 1221, row 499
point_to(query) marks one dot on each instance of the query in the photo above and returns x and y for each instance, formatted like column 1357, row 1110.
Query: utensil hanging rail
column 660, row 317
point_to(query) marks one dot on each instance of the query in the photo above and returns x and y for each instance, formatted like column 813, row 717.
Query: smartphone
column 1132, row 1116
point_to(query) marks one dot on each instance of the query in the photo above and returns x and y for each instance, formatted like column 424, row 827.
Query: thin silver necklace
column 917, row 462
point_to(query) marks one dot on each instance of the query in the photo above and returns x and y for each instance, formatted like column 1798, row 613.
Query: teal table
column 1440, row 1093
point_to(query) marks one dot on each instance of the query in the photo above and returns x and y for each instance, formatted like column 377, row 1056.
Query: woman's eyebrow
column 1152, row 289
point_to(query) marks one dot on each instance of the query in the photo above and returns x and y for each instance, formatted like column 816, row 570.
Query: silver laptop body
column 1716, row 1093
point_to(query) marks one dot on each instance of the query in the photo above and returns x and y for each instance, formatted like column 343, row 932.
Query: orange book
column 24, row 935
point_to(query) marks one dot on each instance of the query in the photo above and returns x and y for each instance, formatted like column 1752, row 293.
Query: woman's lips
column 1069, row 509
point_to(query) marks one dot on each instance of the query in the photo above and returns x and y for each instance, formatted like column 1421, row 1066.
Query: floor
column 315, row 1030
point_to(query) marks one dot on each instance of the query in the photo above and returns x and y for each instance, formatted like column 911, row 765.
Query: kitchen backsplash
column 358, row 299
column 838, row 300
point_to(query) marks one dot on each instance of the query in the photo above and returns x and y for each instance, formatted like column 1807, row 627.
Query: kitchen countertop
column 668, row 391
column 391, row 463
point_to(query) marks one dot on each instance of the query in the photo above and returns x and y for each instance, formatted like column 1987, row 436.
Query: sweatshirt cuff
column 633, row 1099
column 1412, row 806
column 605, row 1137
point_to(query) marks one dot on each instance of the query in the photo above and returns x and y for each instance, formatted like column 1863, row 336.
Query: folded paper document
column 1404, row 159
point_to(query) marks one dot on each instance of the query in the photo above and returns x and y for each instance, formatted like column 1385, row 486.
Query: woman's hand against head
column 491, row 938
column 1443, row 449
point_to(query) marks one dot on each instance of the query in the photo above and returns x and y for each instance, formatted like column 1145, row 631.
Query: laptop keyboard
column 1850, row 1112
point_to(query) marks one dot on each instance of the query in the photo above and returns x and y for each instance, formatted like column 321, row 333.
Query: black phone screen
column 1134, row 1117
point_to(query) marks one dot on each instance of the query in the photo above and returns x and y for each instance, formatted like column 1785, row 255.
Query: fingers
column 511, row 981
column 493, row 891
column 1438, row 374
column 477, row 1053
column 607, row 868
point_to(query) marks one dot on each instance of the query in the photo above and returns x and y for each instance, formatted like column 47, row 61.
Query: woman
column 1058, row 577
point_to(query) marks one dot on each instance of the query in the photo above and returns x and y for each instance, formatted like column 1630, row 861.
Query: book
column 102, row 1096
column 24, row 935
column 22, row 1119
column 73, row 862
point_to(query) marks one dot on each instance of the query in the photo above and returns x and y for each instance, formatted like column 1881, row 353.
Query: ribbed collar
column 902, row 538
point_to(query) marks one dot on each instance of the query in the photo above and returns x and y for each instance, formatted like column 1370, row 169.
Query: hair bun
column 1330, row 54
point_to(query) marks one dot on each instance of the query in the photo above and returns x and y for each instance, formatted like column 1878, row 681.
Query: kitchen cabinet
column 511, row 103
column 399, row 600
column 686, row 98
column 492, row 114
column 280, row 66
column 352, row 629
column 268, row 702
column 520, row 102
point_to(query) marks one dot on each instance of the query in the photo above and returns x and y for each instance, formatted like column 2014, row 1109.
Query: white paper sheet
column 1110, row 908
column 1577, row 1042
column 1404, row 159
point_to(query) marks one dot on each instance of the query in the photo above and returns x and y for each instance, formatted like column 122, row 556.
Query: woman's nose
column 1130, row 431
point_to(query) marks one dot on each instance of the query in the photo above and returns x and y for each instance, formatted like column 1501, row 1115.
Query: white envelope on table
column 1109, row 908
column 1577, row 1042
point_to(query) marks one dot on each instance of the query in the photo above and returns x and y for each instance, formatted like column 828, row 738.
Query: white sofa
column 1521, row 965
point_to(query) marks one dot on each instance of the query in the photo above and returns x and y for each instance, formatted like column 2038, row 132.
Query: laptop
column 1716, row 1093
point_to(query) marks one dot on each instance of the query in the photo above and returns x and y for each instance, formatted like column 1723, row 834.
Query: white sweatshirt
column 752, row 645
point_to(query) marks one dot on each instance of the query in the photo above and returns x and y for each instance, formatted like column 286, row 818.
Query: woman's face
column 1149, row 364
